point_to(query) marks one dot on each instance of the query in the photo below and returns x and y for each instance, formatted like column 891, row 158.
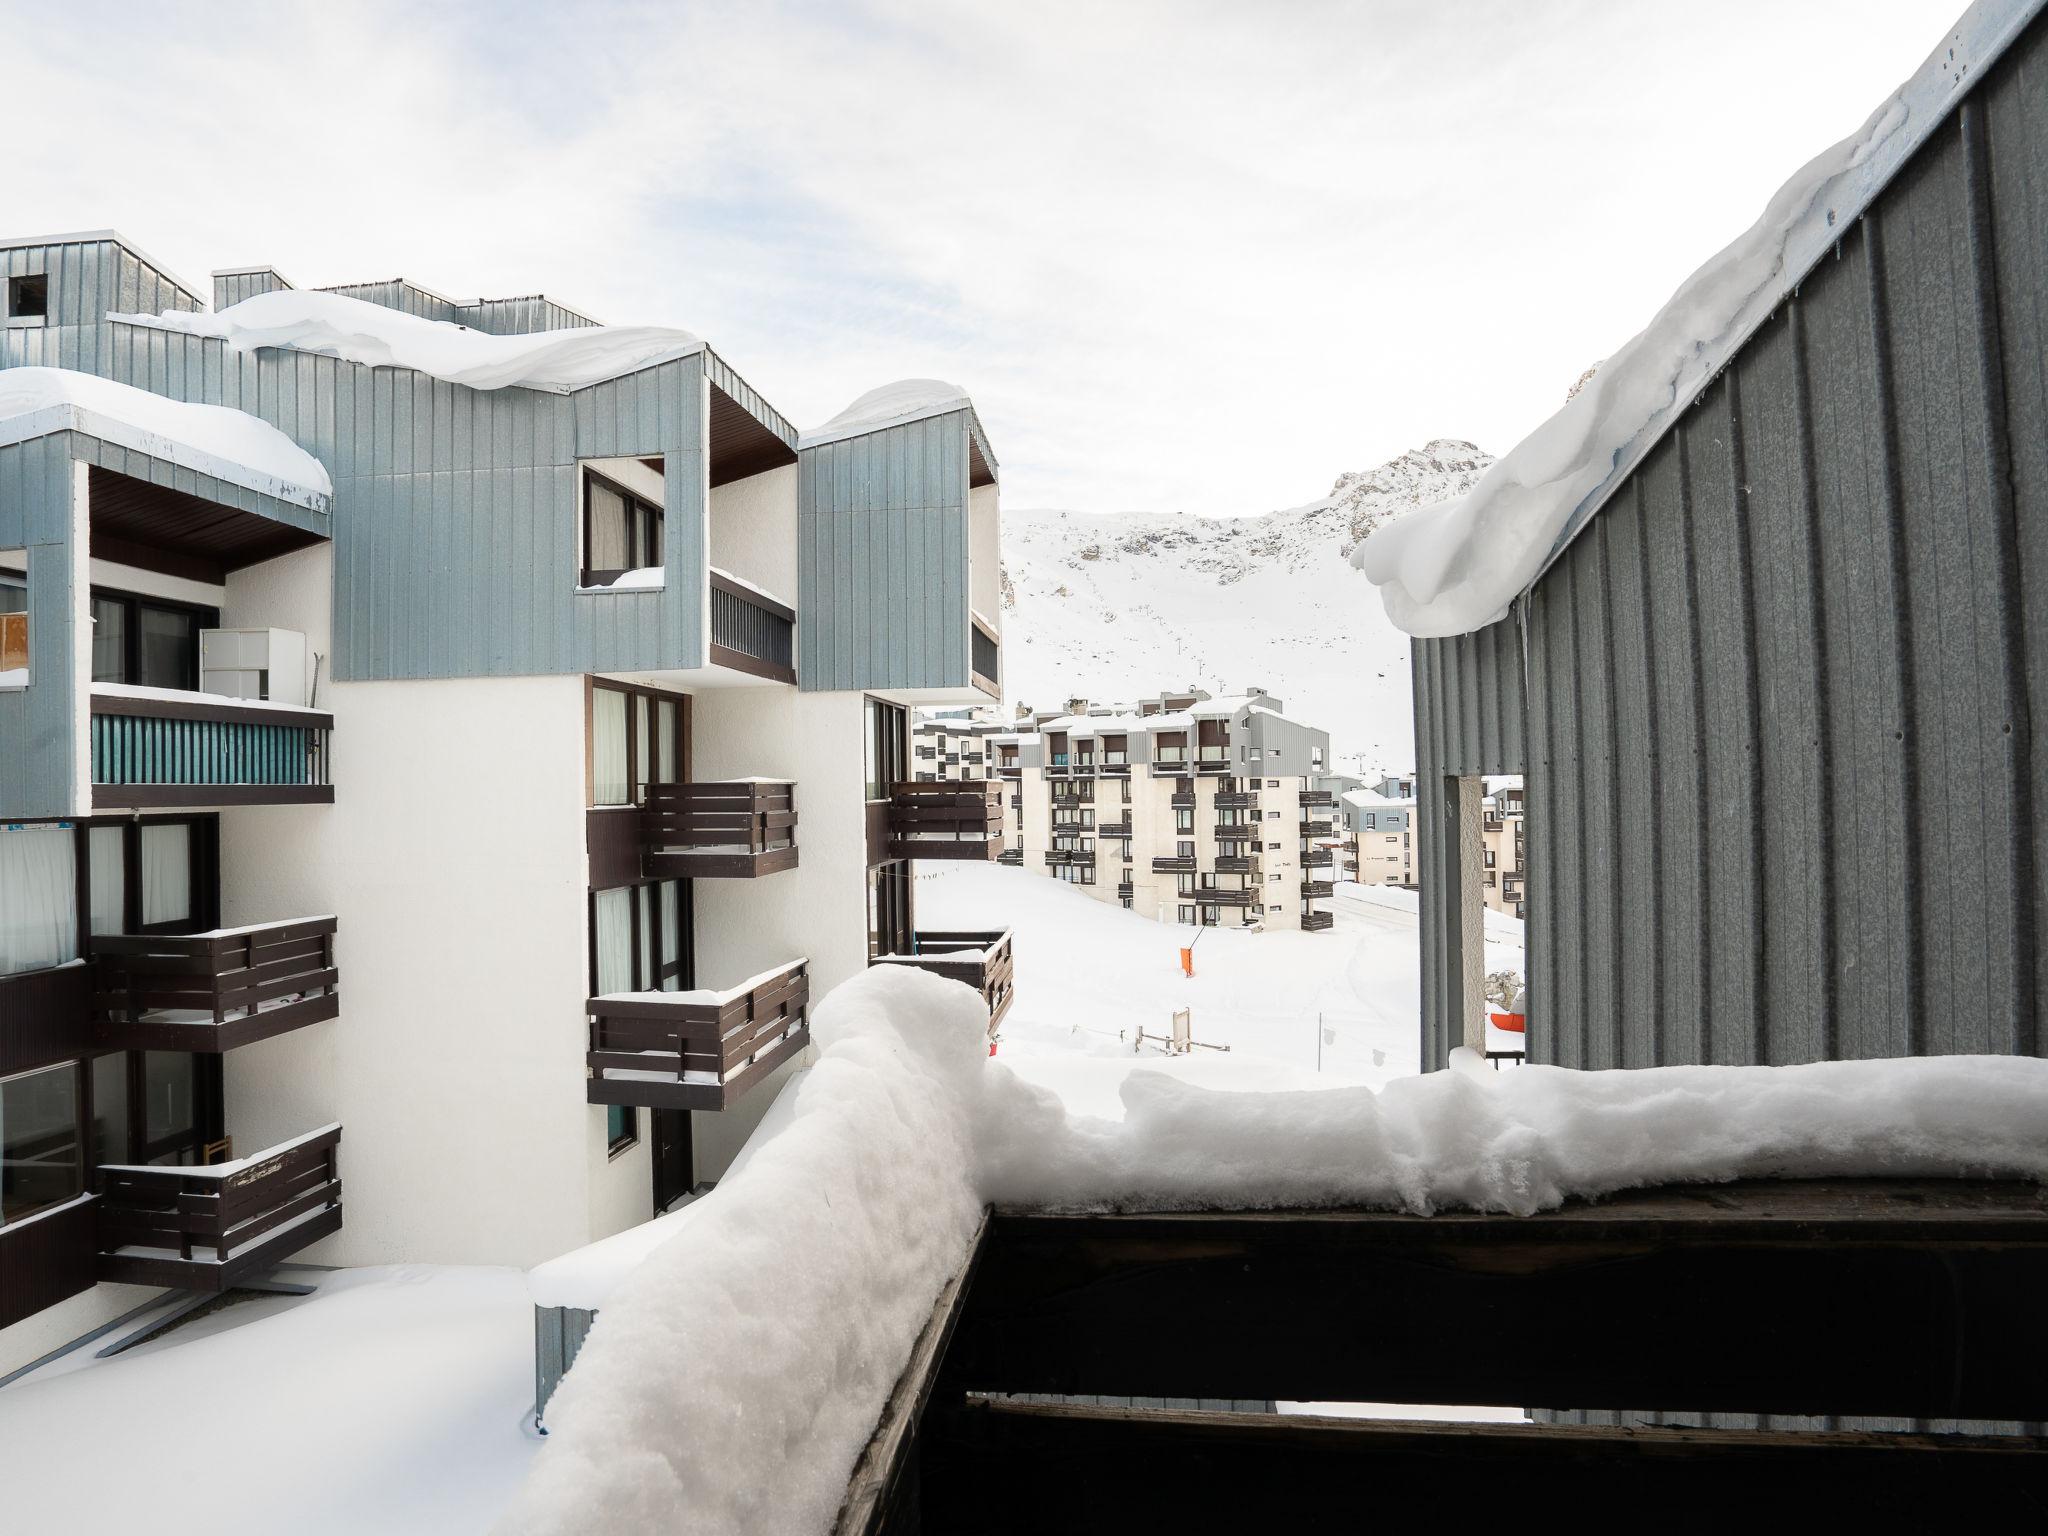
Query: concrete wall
column 753, row 530
column 985, row 555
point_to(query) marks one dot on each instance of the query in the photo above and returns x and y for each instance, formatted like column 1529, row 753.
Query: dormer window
column 28, row 299
column 621, row 532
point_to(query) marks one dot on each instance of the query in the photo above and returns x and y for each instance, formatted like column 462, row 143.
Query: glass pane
column 167, row 1096
column 38, row 898
column 109, row 873
column 614, row 919
column 609, row 542
column 607, row 747
column 169, row 655
column 166, row 873
column 645, row 978
column 874, row 762
column 643, row 741
column 110, row 1109
column 41, row 1161
column 650, row 536
column 13, row 595
column 109, row 640
column 665, row 744
column 671, row 936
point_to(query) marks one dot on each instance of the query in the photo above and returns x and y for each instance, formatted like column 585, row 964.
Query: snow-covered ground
column 1342, row 1006
column 391, row 1400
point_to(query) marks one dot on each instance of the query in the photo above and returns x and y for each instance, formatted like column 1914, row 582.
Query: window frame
column 646, row 532
column 19, row 284
column 204, row 617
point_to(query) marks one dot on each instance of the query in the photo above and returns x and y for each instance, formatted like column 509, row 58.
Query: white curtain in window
column 665, row 744
column 38, row 898
column 109, row 866
column 670, row 940
column 614, row 917
column 643, row 714
column 608, row 543
column 166, row 873
column 608, row 747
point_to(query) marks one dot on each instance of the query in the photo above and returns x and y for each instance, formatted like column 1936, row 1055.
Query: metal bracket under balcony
column 207, row 1228
column 213, row 991
column 982, row 959
column 722, row 830
column 946, row 821
column 696, row 1050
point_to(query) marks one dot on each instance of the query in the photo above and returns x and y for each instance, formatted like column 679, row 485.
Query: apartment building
column 1182, row 807
column 1379, row 821
column 532, row 684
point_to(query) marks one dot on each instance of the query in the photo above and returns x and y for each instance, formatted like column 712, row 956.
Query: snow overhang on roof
column 355, row 330
column 1458, row 566
column 215, row 440
column 899, row 404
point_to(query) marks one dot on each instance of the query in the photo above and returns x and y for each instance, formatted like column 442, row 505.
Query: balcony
column 1170, row 763
column 1010, row 770
column 1054, row 857
column 1313, row 888
column 1236, row 864
column 1235, row 799
column 1316, row 858
column 751, row 631
column 946, row 821
column 696, row 1050
column 730, row 830
column 1182, row 799
column 159, row 746
column 1221, row 896
column 1174, row 865
column 1014, row 857
column 1313, row 829
column 208, row 1228
column 982, row 960
column 1116, row 765
column 1314, row 797
column 985, row 657
column 1214, row 760
column 1317, row 922
column 1120, row 828
column 45, row 1015
column 213, row 992
column 1126, row 890
column 1071, row 823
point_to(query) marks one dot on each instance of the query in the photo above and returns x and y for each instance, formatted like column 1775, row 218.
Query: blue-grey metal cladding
column 455, row 509
column 1469, row 719
column 520, row 316
column 89, row 277
column 232, row 287
column 38, row 749
column 407, row 298
column 882, row 554
column 1786, row 773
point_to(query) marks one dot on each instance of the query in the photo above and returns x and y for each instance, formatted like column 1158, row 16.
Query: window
column 42, row 1150
column 1184, row 884
column 13, row 625
column 621, row 1127
column 889, row 914
column 1184, row 850
column 38, row 898
column 636, row 739
column 147, row 641
column 1184, row 819
column 28, row 299
column 1272, row 815
column 1087, row 874
column 621, row 531
column 1272, row 909
column 1187, row 915
column 640, row 938
column 1272, row 783
column 888, row 736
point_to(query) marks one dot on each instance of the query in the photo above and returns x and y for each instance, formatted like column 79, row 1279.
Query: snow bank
column 214, row 440
column 1456, row 566
column 890, row 406
column 334, row 325
column 734, row 1375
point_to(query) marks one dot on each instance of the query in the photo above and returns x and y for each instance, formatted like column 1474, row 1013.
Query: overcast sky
column 1185, row 256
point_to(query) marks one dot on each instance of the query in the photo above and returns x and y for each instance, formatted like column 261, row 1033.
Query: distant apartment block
column 1181, row 807
column 1378, row 822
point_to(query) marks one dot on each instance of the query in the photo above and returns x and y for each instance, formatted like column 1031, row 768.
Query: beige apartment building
column 1378, row 823
column 1183, row 807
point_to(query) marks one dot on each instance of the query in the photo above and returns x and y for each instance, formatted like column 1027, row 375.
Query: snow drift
column 890, row 405
column 334, row 325
column 214, row 440
column 1456, row 567
column 735, row 1374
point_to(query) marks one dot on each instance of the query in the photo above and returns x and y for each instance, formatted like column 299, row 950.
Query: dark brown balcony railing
column 1181, row 799
column 696, row 1050
column 946, row 821
column 1118, row 828
column 982, row 959
column 206, row 1228
column 1221, row 896
column 728, row 829
column 1317, row 797
column 1171, row 864
column 1234, row 799
column 1312, row 888
column 1056, row 856
column 1317, row 922
column 1316, row 858
column 1235, row 864
column 1313, row 829
column 213, row 991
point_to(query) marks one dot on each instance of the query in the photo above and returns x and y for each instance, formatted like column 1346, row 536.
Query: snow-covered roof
column 334, row 325
column 1370, row 800
column 892, row 405
column 214, row 440
column 93, row 236
column 1456, row 566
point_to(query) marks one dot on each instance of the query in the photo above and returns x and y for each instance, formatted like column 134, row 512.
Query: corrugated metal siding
column 233, row 287
column 38, row 742
column 88, row 279
column 882, row 559
column 520, row 316
column 1470, row 719
column 402, row 296
column 1785, row 779
column 455, row 510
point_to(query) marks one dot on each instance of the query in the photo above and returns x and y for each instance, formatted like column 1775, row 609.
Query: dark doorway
column 670, row 1129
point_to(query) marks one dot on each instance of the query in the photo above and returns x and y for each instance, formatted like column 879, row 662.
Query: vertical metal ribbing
column 1653, row 767
column 1998, row 472
column 1582, row 958
column 1703, row 906
column 1745, row 586
column 1886, row 434
column 1612, row 873
column 1817, row 638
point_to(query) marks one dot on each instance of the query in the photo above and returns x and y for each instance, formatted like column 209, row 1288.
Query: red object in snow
column 991, row 1047
column 1511, row 1022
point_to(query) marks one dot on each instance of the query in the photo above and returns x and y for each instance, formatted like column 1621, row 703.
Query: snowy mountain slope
column 1109, row 606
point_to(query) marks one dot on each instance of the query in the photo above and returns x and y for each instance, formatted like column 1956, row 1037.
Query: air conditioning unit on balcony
column 254, row 664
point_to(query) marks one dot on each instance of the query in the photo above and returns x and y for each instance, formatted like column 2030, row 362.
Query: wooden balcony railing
column 1317, row 797
column 1312, row 829
column 1317, row 922
column 696, row 1050
column 1313, row 888
column 1012, row 856
column 1057, row 856
column 946, row 821
column 982, row 959
column 160, row 748
column 1118, row 828
column 1235, row 864
column 1173, row 864
column 1316, row 858
column 1221, row 896
column 205, row 1228
column 1181, row 799
column 1235, row 799
column 751, row 631
column 723, row 830
column 213, row 991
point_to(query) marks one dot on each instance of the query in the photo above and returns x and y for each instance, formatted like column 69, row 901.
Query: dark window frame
column 646, row 532
column 28, row 298
column 636, row 788
column 203, row 616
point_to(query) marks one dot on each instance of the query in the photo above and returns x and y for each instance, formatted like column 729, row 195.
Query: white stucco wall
column 984, row 555
column 753, row 530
